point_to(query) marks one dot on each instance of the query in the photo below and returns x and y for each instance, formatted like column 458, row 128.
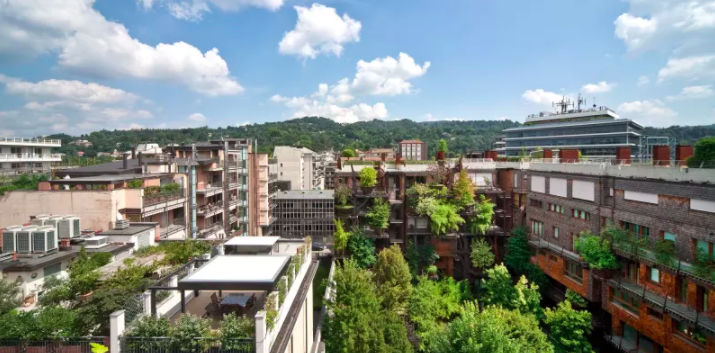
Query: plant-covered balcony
column 159, row 194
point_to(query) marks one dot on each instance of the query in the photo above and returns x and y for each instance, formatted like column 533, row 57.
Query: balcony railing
column 163, row 196
column 204, row 344
column 49, row 157
column 27, row 141
column 210, row 229
column 212, row 208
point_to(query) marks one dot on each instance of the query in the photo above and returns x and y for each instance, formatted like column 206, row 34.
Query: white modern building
column 27, row 155
column 296, row 165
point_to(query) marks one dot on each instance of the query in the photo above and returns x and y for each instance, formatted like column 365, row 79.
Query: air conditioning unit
column 24, row 239
column 69, row 227
column 95, row 242
column 9, row 239
column 55, row 222
column 40, row 219
column 44, row 239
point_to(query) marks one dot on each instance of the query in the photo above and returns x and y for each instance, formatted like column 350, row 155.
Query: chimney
column 491, row 154
column 623, row 155
column 340, row 163
column 661, row 155
column 139, row 156
column 64, row 243
column 134, row 152
column 125, row 163
column 682, row 152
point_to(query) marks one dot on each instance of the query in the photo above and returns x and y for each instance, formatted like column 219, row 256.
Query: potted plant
column 342, row 198
column 368, row 180
column 441, row 150
column 378, row 216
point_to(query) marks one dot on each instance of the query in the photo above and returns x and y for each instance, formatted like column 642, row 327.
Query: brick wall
column 556, row 270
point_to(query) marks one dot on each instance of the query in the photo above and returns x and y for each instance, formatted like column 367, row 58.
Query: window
column 580, row 214
column 553, row 258
column 606, row 221
column 654, row 275
column 556, row 232
column 574, row 271
column 654, row 313
column 51, row 270
column 626, row 300
column 576, row 239
column 631, row 271
column 704, row 246
column 636, row 229
column 556, row 208
column 537, row 227
column 683, row 290
column 669, row 236
column 536, row 203
column 691, row 333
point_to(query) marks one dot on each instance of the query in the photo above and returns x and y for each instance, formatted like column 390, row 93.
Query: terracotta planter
column 367, row 190
column 440, row 155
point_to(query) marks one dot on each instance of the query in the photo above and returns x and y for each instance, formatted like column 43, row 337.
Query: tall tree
column 499, row 290
column 569, row 328
column 392, row 275
column 361, row 249
column 9, row 296
column 340, row 237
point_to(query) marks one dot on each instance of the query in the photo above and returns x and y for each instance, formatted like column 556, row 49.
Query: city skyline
column 170, row 64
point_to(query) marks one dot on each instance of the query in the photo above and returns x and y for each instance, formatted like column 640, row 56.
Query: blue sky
column 76, row 66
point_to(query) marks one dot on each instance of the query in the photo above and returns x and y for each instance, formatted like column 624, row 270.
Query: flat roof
column 306, row 194
column 131, row 230
column 252, row 241
column 107, row 178
column 237, row 272
column 571, row 124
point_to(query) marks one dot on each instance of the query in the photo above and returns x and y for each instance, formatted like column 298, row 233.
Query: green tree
column 482, row 220
column 463, row 190
column 596, row 251
column 518, row 258
column 432, row 304
column 500, row 291
column 23, row 182
column 340, row 237
column 443, row 146
column 481, row 255
column 368, row 177
column 445, row 220
column 353, row 325
column 569, row 329
column 9, row 296
column 703, row 153
column 494, row 329
column 361, row 249
column 575, row 298
column 392, row 275
column 349, row 152
column 378, row 215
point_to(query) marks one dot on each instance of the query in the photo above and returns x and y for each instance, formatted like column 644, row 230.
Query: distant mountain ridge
column 321, row 134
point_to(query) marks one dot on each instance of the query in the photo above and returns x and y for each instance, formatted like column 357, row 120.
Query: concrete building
column 305, row 213
column 297, row 166
column 413, row 150
column 27, row 155
column 500, row 146
column 596, row 132
column 262, row 193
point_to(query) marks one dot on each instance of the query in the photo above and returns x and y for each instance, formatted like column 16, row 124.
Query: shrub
column 271, row 312
column 596, row 251
column 282, row 291
column 234, row 326
column 9, row 296
column 704, row 264
column 445, row 219
column 703, row 153
column 481, row 255
column 135, row 184
column 349, row 152
column 442, row 146
column 575, row 298
column 342, row 194
column 361, row 249
column 186, row 329
column 149, row 326
column 368, row 177
column 463, row 190
column 664, row 252
column 426, row 206
column 378, row 216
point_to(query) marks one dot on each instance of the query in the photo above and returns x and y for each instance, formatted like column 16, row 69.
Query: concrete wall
column 96, row 208
column 290, row 166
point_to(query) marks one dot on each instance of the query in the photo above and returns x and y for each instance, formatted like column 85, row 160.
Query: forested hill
column 321, row 134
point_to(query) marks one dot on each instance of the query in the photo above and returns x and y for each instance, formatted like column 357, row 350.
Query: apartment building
column 263, row 190
column 297, row 166
column 305, row 213
column 500, row 146
column 27, row 155
column 413, row 150
column 657, row 301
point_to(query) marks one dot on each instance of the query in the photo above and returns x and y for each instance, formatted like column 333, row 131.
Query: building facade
column 595, row 132
column 301, row 166
column 305, row 213
column 413, row 150
column 27, row 155
column 657, row 300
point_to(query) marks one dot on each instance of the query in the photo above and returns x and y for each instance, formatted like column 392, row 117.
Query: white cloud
column 245, row 123
column 539, row 96
column 196, row 117
column 74, row 91
column 193, row 10
column 601, row 87
column 322, row 91
column 648, row 112
column 643, row 81
column 694, row 92
column 635, row 31
column 688, row 67
column 387, row 76
column 319, row 30
column 90, row 44
column 306, row 107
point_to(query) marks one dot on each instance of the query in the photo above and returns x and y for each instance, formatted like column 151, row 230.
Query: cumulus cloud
column 635, row 31
column 74, row 91
column 601, row 87
column 197, row 117
column 643, row 81
column 387, row 76
column 193, row 10
column 694, row 92
column 648, row 112
column 688, row 67
column 90, row 44
column 539, row 96
column 319, row 30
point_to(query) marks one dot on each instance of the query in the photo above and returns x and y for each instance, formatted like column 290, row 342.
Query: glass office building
column 596, row 132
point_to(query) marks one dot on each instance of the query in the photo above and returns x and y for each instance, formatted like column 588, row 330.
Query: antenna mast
column 563, row 105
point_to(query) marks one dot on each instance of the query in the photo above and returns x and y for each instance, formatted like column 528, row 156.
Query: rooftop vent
column 122, row 224
column 95, row 242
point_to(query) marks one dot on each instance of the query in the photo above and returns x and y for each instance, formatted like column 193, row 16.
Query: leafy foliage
column 342, row 193
column 368, row 177
column 664, row 252
column 271, row 312
column 463, row 190
column 494, row 329
column 135, row 183
column 442, row 146
column 517, row 258
column 432, row 304
column 426, row 207
column 575, row 298
column 596, row 251
column 186, row 329
column 282, row 291
column 361, row 249
column 420, row 258
column 46, row 323
column 481, row 255
column 703, row 153
column 482, row 220
column 23, row 182
column 445, row 219
column 522, row 296
column 703, row 265
column 9, row 296
column 340, row 237
column 569, row 328
column 348, row 152
column 393, row 279
column 378, row 215
column 233, row 326
column 149, row 326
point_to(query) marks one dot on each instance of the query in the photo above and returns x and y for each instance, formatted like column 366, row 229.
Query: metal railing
column 50, row 157
column 161, row 197
column 66, row 345
column 194, row 345
column 30, row 140
column 210, row 208
column 210, row 228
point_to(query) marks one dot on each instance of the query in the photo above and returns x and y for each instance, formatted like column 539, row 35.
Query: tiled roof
column 411, row 141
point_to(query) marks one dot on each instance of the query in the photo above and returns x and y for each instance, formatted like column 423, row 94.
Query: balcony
column 20, row 141
column 177, row 226
column 233, row 184
column 210, row 189
column 541, row 243
column 208, row 230
column 273, row 176
column 210, row 209
column 162, row 201
column 30, row 157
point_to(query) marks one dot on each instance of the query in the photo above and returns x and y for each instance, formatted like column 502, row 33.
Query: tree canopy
column 393, row 278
